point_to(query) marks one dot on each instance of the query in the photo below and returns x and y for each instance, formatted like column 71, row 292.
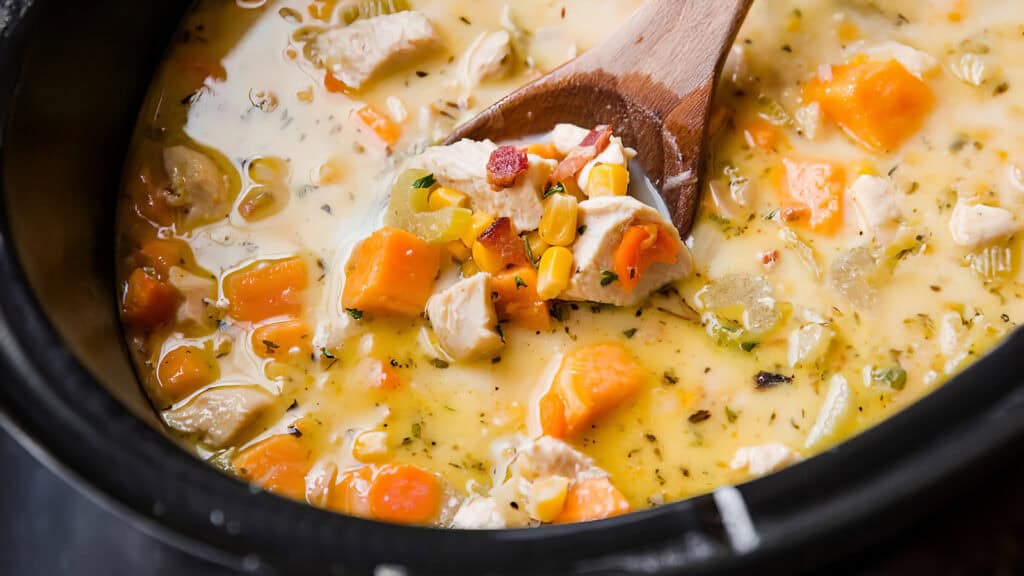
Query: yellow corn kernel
column 487, row 260
column 558, row 222
column 607, row 180
column 268, row 169
column 477, row 224
column 331, row 172
column 535, row 246
column 553, row 272
column 444, row 197
column 848, row 32
column 469, row 269
column 865, row 168
column 370, row 446
column 546, row 497
column 457, row 250
column 544, row 150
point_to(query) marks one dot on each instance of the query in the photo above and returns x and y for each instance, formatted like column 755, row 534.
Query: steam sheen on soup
column 324, row 301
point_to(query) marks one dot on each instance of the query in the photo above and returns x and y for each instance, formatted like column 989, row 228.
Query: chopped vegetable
column 184, row 370
column 283, row 339
column 518, row 301
column 560, row 219
column 446, row 197
column 391, row 272
column 592, row 499
column 351, row 494
column 554, row 272
column 409, row 209
column 503, row 248
column 607, row 180
column 813, row 194
column 262, row 202
column 148, row 302
column 405, row 494
column 267, row 290
column 479, row 222
column 161, row 255
column 642, row 246
column 380, row 124
column 278, row 464
column 591, row 381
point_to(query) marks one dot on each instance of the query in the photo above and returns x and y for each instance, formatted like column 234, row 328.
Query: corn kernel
column 607, row 180
column 553, row 272
column 544, row 150
column 444, row 197
column 477, row 224
column 457, row 250
column 370, row 446
column 865, row 168
column 487, row 260
column 469, row 269
column 535, row 246
column 559, row 221
column 546, row 497
column 268, row 169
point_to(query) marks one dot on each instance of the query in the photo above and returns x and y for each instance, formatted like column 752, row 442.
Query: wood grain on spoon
column 653, row 81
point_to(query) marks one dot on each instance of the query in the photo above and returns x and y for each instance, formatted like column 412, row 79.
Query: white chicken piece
column 464, row 320
column 615, row 153
column 974, row 225
column 197, row 292
column 218, row 415
column 487, row 513
column 332, row 330
column 915, row 61
column 605, row 220
column 463, row 166
column 354, row 53
column 198, row 187
column 487, row 57
column 565, row 137
column 547, row 456
column 875, row 199
column 763, row 459
column 809, row 343
column 834, row 410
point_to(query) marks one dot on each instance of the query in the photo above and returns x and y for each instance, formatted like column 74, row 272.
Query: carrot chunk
column 879, row 104
column 382, row 126
column 186, row 369
column 592, row 499
column 382, row 375
column 391, row 272
column 278, row 464
column 813, row 194
column 591, row 381
column 517, row 299
column 761, row 134
column 161, row 254
column 405, row 494
column 267, row 290
column 332, row 84
column 642, row 246
column 351, row 494
column 283, row 339
column 148, row 302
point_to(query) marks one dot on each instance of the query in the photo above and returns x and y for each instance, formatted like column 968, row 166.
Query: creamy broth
column 786, row 338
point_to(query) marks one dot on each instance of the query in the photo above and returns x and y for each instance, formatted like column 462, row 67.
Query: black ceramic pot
column 72, row 76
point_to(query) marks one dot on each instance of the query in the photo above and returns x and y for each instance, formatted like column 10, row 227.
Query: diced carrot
column 544, row 150
column 642, row 246
column 501, row 240
column 517, row 299
column 267, row 290
column 144, row 190
column 382, row 375
column 813, row 194
column 391, row 272
column 351, row 494
column 879, row 104
column 186, row 369
column 283, row 339
column 760, row 133
column 332, row 84
column 592, row 499
column 590, row 382
column 148, row 302
column 405, row 494
column 381, row 124
column 278, row 464
column 161, row 254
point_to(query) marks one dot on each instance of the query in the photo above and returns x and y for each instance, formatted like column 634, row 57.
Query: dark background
column 48, row 528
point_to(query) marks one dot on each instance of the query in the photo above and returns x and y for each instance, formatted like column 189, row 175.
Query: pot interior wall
column 87, row 67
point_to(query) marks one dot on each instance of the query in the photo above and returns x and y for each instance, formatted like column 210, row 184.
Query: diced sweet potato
column 500, row 240
column 879, row 104
column 161, row 254
column 591, row 381
column 267, row 290
column 186, row 369
column 517, row 300
column 148, row 302
column 391, row 272
column 813, row 194
column 592, row 499
column 283, row 339
column 278, row 464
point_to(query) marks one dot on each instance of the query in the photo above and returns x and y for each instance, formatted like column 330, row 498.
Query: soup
column 324, row 301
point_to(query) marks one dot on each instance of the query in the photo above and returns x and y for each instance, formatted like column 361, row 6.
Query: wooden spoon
column 652, row 81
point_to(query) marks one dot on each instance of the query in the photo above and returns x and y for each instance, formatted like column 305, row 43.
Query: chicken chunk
column 464, row 320
column 974, row 225
column 764, row 459
column 354, row 53
column 487, row 57
column 198, row 187
column 875, row 199
column 565, row 137
column 547, row 456
column 463, row 167
column 605, row 220
column 217, row 416
column 197, row 293
column 915, row 61
column 487, row 513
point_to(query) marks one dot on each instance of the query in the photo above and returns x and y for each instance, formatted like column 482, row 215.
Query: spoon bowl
column 652, row 81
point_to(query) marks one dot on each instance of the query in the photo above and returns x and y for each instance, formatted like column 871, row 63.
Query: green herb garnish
column 629, row 333
column 520, row 283
column 556, row 189
column 355, row 313
column 895, row 377
column 427, row 181
column 607, row 277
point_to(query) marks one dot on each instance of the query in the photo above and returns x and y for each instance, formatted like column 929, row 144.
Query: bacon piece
column 502, row 240
column 505, row 165
column 592, row 144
